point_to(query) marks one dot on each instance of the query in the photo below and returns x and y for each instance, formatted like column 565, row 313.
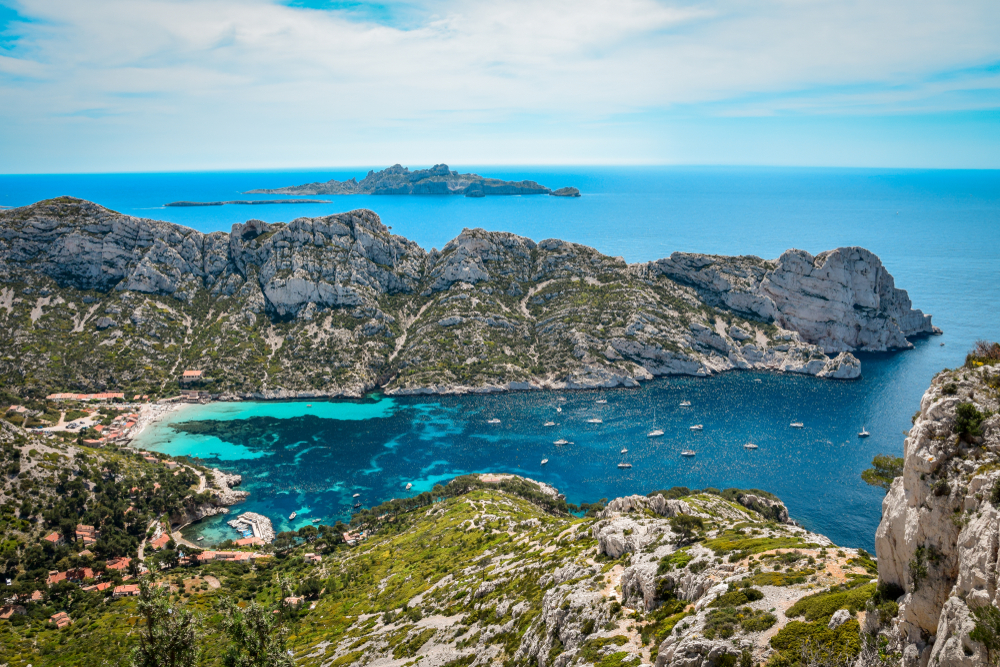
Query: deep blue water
column 936, row 231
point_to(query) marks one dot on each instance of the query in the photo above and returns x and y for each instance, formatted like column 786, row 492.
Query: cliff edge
column 940, row 530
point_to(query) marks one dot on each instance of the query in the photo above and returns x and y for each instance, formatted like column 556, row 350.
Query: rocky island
column 438, row 180
column 336, row 306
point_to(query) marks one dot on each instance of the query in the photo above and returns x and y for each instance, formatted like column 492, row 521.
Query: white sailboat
column 549, row 424
column 655, row 433
column 697, row 427
column 560, row 441
column 797, row 425
column 688, row 452
column 493, row 421
column 409, row 486
column 864, row 433
column 624, row 465
column 595, row 421
column 544, row 461
column 624, row 451
column 750, row 445
column 685, row 404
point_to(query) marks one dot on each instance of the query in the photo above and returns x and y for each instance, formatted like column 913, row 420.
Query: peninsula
column 92, row 300
column 438, row 180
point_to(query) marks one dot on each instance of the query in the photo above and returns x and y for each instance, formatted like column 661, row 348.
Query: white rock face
column 940, row 533
column 842, row 300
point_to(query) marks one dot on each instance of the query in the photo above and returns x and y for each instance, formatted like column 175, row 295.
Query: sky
column 164, row 85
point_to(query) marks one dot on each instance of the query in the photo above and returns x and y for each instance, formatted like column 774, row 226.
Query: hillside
column 495, row 572
column 92, row 300
column 438, row 180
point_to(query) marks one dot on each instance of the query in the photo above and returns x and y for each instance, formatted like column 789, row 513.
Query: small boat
column 493, row 421
column 560, row 441
column 558, row 409
column 688, row 452
column 654, row 434
column 292, row 516
column 749, row 445
column 685, row 404
column 200, row 538
column 356, row 495
column 624, row 465
column 357, row 505
column 797, row 425
column 544, row 461
column 601, row 401
column 309, row 405
column 758, row 380
column 409, row 486
column 317, row 520
column 697, row 427
column 550, row 423
column 595, row 421
column 863, row 433
column 624, row 451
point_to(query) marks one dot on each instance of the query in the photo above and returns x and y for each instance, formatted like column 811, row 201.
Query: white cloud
column 202, row 73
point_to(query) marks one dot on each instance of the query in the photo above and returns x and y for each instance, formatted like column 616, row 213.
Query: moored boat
column 624, row 465
column 685, row 404
column 797, row 425
column 697, row 427
column 544, row 461
column 560, row 441
column 688, row 452
column 864, row 433
column 750, row 445
column 292, row 516
column 595, row 421
column 493, row 421
column 549, row 424
column 654, row 434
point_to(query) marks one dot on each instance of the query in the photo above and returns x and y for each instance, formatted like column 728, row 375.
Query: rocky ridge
column 438, row 180
column 336, row 306
column 940, row 530
column 622, row 588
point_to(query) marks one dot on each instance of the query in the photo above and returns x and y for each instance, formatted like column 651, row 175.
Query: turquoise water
column 936, row 231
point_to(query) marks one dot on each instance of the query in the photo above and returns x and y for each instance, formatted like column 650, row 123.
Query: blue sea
column 936, row 231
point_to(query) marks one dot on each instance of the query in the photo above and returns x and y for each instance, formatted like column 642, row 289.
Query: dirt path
column 407, row 323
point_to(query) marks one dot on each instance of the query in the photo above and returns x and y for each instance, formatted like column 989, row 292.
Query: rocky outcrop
column 338, row 305
column 438, row 180
column 841, row 300
column 940, row 531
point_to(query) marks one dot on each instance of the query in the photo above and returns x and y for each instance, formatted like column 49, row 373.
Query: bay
column 935, row 230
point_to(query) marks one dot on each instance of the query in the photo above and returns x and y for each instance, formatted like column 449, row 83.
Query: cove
column 312, row 458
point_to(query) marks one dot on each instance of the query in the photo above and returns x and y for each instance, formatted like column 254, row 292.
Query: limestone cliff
column 940, row 528
column 91, row 299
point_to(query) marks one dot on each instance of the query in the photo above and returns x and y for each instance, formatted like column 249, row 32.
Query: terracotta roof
column 126, row 589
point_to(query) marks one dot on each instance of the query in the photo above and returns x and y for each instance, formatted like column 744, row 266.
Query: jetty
column 259, row 524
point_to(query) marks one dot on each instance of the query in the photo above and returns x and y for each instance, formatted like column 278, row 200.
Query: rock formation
column 940, row 530
column 438, row 180
column 335, row 306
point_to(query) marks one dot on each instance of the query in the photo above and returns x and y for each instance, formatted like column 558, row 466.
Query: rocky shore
column 338, row 306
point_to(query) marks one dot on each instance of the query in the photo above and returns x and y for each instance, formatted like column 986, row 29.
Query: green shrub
column 820, row 606
column 736, row 597
column 969, row 420
column 836, row 645
column 949, row 389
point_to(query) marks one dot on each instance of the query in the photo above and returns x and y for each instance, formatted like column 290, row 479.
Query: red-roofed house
column 9, row 610
column 247, row 541
column 103, row 586
column 119, row 563
column 313, row 558
column 79, row 574
column 126, row 590
column 61, row 620
column 53, row 538
column 55, row 578
column 87, row 534
column 160, row 542
column 36, row 596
